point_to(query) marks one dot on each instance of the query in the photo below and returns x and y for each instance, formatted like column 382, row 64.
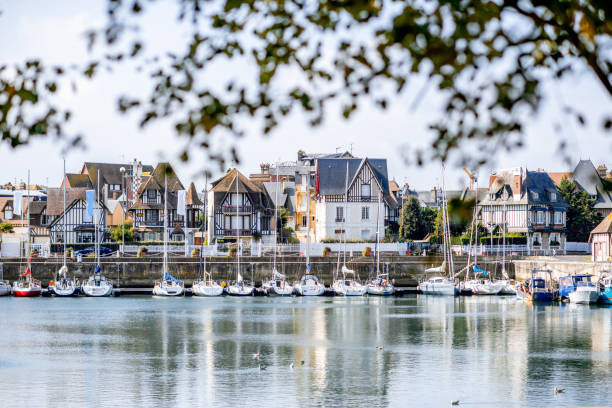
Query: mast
column 65, row 237
column 378, row 233
column 345, row 215
column 308, row 225
column 275, row 221
column 238, row 229
column 29, row 244
column 165, row 268
column 447, row 225
column 203, row 271
column 504, row 274
column 97, row 231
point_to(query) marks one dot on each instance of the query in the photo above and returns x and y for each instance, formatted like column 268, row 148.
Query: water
column 144, row 351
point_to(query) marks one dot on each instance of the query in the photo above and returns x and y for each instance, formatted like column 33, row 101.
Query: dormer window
column 535, row 195
column 151, row 194
column 8, row 213
column 553, row 196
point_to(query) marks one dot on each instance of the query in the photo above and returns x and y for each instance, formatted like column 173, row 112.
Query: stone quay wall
column 561, row 266
column 142, row 272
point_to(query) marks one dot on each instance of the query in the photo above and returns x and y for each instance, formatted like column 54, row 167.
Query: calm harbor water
column 145, row 351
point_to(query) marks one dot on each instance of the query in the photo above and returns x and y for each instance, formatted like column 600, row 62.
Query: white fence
column 207, row 250
column 584, row 247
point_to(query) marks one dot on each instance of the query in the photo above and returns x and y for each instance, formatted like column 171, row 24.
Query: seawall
column 561, row 266
column 142, row 272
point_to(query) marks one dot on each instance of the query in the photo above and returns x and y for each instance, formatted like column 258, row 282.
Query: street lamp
column 122, row 170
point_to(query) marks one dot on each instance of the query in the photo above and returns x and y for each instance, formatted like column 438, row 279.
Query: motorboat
column 5, row 288
column 348, row 285
column 578, row 289
column 309, row 285
column 168, row 285
column 605, row 286
column 536, row 289
column 277, row 286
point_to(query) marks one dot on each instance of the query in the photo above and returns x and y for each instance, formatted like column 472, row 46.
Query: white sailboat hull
column 484, row 287
column 167, row 289
column 376, row 289
column 439, row 287
column 241, row 290
column 348, row 288
column 64, row 288
column 203, row 288
column 507, row 287
column 5, row 288
column 309, row 290
column 278, row 288
column 584, row 295
column 100, row 288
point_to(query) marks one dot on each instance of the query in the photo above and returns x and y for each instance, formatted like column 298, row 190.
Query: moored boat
column 536, row 289
column 578, row 289
column 605, row 285
column 168, row 285
column 379, row 285
column 438, row 285
column 309, row 285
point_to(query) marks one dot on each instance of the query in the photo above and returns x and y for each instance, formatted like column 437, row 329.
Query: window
column 535, row 195
column 304, row 181
column 540, row 217
column 304, row 221
column 339, row 214
column 553, row 196
column 558, row 216
column 8, row 214
column 365, row 191
column 365, row 234
column 87, row 219
column 365, row 213
column 151, row 194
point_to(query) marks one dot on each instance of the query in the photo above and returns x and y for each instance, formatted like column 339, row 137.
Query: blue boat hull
column 606, row 296
column 543, row 297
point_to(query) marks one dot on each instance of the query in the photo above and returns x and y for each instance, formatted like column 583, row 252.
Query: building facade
column 527, row 202
column 601, row 241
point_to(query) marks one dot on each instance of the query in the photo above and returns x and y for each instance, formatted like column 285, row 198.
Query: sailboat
column 63, row 285
column 240, row 287
column 309, row 284
column 348, row 285
column 168, row 285
column 5, row 287
column 380, row 285
column 506, row 284
column 97, row 285
column 277, row 285
column 480, row 285
column 205, row 285
column 442, row 285
column 27, row 285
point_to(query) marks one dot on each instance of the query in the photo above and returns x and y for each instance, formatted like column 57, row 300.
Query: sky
column 54, row 32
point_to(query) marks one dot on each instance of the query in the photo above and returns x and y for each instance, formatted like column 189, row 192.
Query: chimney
column 435, row 194
column 300, row 155
column 517, row 183
column 602, row 170
column 265, row 168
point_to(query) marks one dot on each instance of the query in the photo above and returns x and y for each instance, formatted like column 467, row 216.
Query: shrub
column 326, row 251
column 554, row 242
column 142, row 251
column 195, row 252
column 232, row 251
column 68, row 252
column 367, row 251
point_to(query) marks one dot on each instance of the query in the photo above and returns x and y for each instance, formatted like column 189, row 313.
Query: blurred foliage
column 488, row 59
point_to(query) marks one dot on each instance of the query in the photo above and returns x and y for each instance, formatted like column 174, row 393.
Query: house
column 282, row 194
column 594, row 182
column 238, row 206
column 367, row 182
column 147, row 210
column 527, row 202
column 36, row 200
column 79, row 225
column 601, row 241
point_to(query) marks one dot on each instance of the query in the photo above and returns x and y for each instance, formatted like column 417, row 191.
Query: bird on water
column 559, row 390
column 455, row 402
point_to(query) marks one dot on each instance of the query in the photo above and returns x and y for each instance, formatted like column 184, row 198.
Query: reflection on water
column 144, row 351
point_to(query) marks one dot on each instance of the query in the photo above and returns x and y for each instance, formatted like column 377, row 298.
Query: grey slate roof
column 332, row 173
column 586, row 177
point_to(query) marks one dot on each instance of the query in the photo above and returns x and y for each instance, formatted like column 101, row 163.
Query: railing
column 234, row 232
column 229, row 209
column 339, row 219
column 208, row 250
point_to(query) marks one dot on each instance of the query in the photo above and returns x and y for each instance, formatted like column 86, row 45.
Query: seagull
column 256, row 356
column 455, row 402
column 291, row 366
column 379, row 347
column 302, row 362
column 559, row 390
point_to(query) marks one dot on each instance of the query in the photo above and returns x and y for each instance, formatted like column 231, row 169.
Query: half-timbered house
column 80, row 225
column 367, row 185
column 247, row 211
column 526, row 202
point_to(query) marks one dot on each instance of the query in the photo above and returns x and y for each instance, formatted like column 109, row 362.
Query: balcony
column 339, row 219
column 241, row 209
column 234, row 232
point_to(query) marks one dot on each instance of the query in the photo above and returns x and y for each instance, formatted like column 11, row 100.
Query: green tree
column 428, row 219
column 6, row 228
column 116, row 232
column 582, row 217
column 411, row 225
column 337, row 52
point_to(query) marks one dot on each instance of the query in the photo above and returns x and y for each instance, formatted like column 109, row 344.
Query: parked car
column 104, row 251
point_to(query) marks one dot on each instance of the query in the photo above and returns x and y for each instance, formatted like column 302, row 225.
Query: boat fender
column 51, row 283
